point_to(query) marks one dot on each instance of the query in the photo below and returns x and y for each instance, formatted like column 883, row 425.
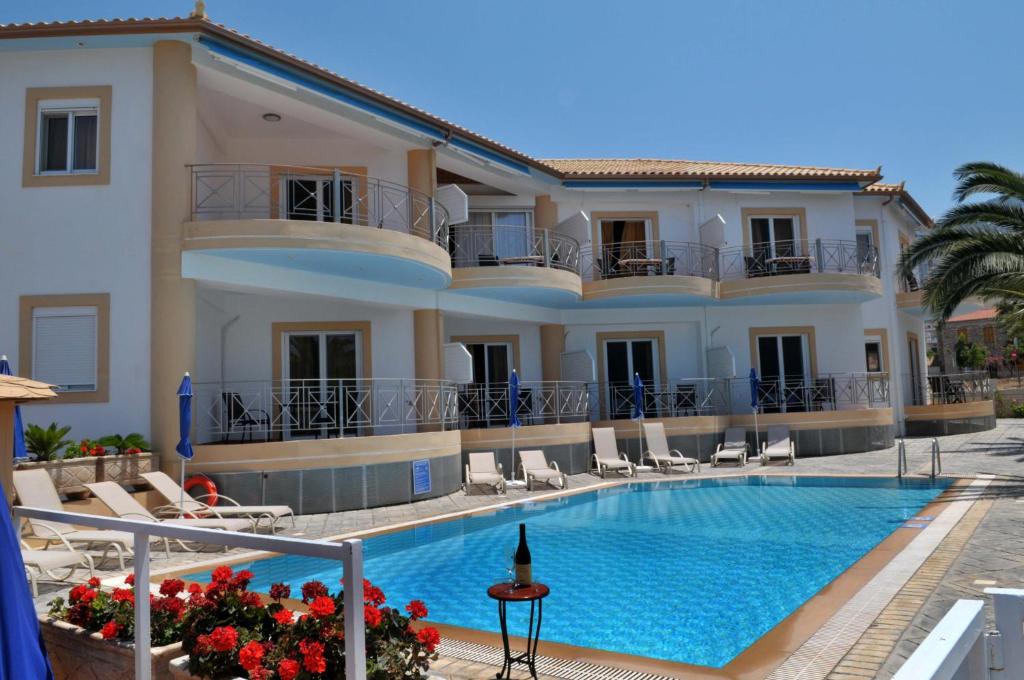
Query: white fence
column 349, row 553
column 959, row 648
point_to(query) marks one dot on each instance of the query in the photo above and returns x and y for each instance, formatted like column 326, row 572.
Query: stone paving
column 995, row 551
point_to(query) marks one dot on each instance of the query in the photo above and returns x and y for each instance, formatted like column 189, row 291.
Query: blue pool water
column 691, row 571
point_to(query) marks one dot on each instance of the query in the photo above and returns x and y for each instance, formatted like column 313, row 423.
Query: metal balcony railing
column 826, row 392
column 288, row 409
column 539, row 403
column 244, row 191
column 689, row 397
column 506, row 245
column 778, row 258
column 947, row 388
column 650, row 258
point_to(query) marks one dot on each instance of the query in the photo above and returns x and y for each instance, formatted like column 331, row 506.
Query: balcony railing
column 650, row 258
column 235, row 191
column 690, row 397
column 779, row 258
column 539, row 403
column 948, row 388
column 826, row 392
column 289, row 409
column 506, row 245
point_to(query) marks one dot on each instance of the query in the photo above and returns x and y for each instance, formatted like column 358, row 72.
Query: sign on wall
column 420, row 477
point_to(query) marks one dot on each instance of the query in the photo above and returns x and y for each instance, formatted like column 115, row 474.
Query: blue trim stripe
column 630, row 184
column 787, row 186
column 339, row 93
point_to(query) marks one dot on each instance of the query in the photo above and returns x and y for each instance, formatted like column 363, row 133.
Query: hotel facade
column 351, row 280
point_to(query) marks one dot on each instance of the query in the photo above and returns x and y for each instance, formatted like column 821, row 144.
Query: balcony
column 539, row 403
column 949, row 403
column 320, row 220
column 515, row 263
column 788, row 272
column 910, row 296
column 677, row 399
column 651, row 273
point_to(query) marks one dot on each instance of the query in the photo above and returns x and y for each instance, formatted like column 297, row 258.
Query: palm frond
column 985, row 177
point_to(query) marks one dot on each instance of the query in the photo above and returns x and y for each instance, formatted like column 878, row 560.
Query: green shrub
column 131, row 443
column 46, row 443
column 1017, row 410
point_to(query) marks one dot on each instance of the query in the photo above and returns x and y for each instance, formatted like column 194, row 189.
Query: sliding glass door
column 784, row 365
column 320, row 395
column 623, row 359
column 487, row 402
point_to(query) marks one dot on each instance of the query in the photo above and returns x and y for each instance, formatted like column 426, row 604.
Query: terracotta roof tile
column 656, row 167
column 978, row 315
column 900, row 191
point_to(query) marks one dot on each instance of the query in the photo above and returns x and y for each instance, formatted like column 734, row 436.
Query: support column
column 428, row 339
column 172, row 298
column 422, row 170
column 552, row 345
column 545, row 212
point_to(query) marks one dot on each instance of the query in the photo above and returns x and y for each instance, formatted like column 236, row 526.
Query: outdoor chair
column 607, row 455
column 188, row 506
column 778, row 445
column 239, row 417
column 39, row 563
column 734, row 448
column 661, row 455
column 482, row 469
column 686, row 400
column 534, row 466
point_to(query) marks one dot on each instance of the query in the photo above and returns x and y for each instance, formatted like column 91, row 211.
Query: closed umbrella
column 755, row 400
column 637, row 414
column 184, row 447
column 513, row 413
column 19, row 430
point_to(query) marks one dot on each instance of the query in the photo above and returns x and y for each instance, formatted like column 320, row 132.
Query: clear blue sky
column 918, row 86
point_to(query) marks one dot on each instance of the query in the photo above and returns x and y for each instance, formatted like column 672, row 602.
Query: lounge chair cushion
column 613, row 463
column 544, row 473
column 275, row 511
column 213, row 523
column 484, row 478
column 51, row 559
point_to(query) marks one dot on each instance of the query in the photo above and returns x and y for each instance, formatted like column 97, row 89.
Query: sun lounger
column 35, row 489
column 40, row 563
column 607, row 455
column 194, row 507
column 661, row 455
column 482, row 469
column 734, row 447
column 778, row 445
column 534, row 467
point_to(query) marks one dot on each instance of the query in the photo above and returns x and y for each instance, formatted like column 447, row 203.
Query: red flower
column 288, row 669
column 94, row 582
column 171, row 587
column 224, row 638
column 123, row 595
column 76, row 593
column 321, row 607
column 110, row 630
column 279, row 591
column 284, row 617
column 88, row 596
column 313, row 590
column 203, row 645
column 251, row 655
column 313, row 656
column 252, row 600
column 130, row 579
column 416, row 609
column 242, row 579
column 429, row 638
column 372, row 594
column 222, row 574
column 372, row 615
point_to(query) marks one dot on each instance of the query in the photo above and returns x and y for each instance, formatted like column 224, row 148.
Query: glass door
column 623, row 250
column 512, row 234
column 312, row 198
column 916, row 388
column 624, row 358
column 487, row 402
column 785, row 372
column 321, row 395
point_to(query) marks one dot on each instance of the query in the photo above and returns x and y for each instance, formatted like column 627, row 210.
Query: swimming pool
column 690, row 571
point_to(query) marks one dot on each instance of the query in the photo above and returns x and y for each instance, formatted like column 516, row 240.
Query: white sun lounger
column 482, row 469
column 39, row 563
column 734, row 447
column 172, row 493
column 534, row 466
column 35, row 489
column 778, row 445
column 607, row 455
column 663, row 457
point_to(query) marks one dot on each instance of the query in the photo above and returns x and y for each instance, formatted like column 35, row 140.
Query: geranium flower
column 111, row 630
column 251, row 655
column 279, row 591
column 312, row 590
column 372, row 594
column 251, row 600
column 242, row 579
column 321, row 607
column 288, row 669
column 130, row 579
column 171, row 587
column 76, row 593
column 221, row 574
column 123, row 595
column 88, row 596
column 313, row 656
column 416, row 609
column 224, row 638
column 94, row 582
column 429, row 638
column 283, row 617
column 372, row 615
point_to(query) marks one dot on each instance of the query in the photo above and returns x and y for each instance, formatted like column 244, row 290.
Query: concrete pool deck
column 985, row 544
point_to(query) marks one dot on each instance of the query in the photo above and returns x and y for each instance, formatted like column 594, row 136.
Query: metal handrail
column 649, row 258
column 539, row 402
column 777, row 258
column 947, row 388
column 901, row 458
column 222, row 191
column 349, row 553
column 936, row 458
column 825, row 392
column 677, row 398
column 269, row 409
column 477, row 245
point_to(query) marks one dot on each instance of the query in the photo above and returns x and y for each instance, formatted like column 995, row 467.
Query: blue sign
column 420, row 477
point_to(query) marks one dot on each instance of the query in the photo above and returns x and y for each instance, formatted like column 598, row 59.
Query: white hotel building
column 350, row 279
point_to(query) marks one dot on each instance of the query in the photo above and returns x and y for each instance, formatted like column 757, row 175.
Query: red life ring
column 208, row 486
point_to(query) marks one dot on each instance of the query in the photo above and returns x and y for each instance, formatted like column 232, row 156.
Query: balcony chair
column 778, row 445
column 607, row 455
column 482, row 469
column 238, row 416
column 734, row 447
column 663, row 457
column 524, row 409
column 534, row 466
column 686, row 400
column 823, row 395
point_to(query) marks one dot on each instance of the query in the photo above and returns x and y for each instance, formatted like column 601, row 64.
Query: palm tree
column 977, row 248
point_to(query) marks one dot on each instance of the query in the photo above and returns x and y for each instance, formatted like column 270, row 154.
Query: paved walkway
column 994, row 552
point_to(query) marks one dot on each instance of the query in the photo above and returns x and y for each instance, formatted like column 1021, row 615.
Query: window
column 509, row 235
column 68, row 139
column 873, row 356
column 989, row 335
column 64, row 341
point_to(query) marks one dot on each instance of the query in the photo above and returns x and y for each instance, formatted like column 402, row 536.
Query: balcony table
column 793, row 261
column 533, row 593
column 523, row 259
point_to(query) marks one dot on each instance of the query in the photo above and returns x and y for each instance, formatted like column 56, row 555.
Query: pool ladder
column 901, row 459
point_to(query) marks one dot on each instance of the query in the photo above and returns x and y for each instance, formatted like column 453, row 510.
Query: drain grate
column 546, row 665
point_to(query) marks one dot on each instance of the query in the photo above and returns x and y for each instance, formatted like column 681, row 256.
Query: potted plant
column 90, row 634
column 45, row 444
column 131, row 459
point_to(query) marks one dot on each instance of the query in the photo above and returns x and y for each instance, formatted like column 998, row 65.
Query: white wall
column 92, row 239
column 529, row 339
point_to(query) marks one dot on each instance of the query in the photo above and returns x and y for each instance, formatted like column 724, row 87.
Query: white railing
column 349, row 553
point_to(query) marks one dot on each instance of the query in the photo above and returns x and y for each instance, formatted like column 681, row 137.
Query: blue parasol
column 637, row 414
column 184, row 447
column 513, row 413
column 755, row 399
column 19, row 429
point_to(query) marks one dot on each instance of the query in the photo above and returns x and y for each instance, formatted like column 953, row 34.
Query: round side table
column 534, row 594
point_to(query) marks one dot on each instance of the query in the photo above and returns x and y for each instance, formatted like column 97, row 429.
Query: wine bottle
column 523, row 564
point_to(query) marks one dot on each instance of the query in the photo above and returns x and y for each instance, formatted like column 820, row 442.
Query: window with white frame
column 64, row 347
column 68, row 137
